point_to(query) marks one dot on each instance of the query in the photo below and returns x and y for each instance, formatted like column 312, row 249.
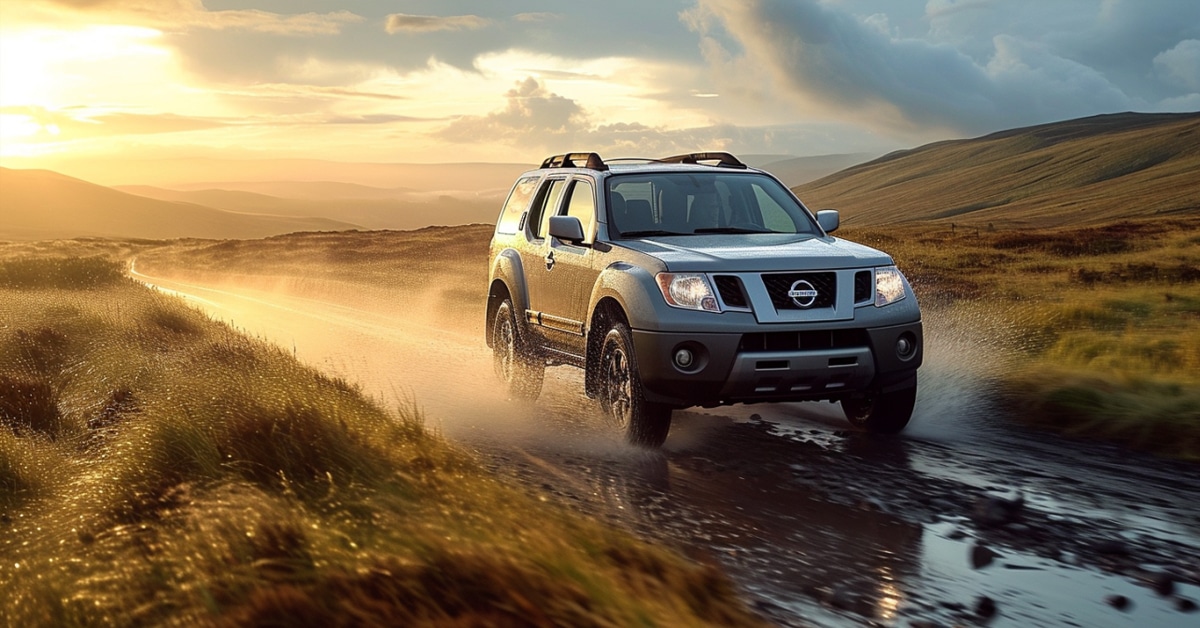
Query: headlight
column 687, row 290
column 889, row 286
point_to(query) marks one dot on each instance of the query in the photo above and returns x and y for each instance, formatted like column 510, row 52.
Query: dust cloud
column 406, row 347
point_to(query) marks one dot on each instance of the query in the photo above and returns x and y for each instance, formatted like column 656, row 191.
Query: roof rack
column 576, row 160
column 723, row 159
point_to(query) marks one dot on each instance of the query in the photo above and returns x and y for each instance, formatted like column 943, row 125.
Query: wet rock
column 1185, row 605
column 982, row 556
column 756, row 417
column 994, row 511
column 1020, row 528
column 1111, row 547
column 1162, row 582
column 1119, row 602
column 985, row 607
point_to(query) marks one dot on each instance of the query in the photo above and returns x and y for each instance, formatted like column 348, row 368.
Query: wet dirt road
column 963, row 520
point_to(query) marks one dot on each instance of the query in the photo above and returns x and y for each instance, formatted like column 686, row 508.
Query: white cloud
column 1181, row 65
column 832, row 62
column 405, row 23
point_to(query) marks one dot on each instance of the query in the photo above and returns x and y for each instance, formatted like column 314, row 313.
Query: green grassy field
column 1104, row 321
column 157, row 467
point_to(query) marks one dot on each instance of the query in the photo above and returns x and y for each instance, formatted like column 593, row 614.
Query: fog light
column 905, row 346
column 684, row 358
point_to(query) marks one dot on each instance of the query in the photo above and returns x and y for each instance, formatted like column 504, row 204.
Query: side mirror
column 827, row 218
column 567, row 229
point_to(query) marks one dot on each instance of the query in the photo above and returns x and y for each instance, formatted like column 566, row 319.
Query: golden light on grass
column 179, row 472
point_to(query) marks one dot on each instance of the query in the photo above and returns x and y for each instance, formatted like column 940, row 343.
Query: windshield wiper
column 649, row 232
column 732, row 230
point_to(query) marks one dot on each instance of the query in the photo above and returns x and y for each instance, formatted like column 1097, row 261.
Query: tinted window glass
column 544, row 206
column 518, row 202
column 679, row 203
column 582, row 205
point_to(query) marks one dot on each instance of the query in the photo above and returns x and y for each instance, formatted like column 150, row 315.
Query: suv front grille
column 803, row 340
column 862, row 286
column 779, row 284
column 730, row 288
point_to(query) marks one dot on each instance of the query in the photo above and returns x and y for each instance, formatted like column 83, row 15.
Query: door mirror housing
column 829, row 219
column 567, row 229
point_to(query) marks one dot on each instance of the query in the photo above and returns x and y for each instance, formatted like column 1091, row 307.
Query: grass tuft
column 69, row 273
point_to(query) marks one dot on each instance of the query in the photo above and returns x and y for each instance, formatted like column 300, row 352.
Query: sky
column 432, row 81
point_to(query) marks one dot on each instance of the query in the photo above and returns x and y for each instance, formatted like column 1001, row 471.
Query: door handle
column 550, row 260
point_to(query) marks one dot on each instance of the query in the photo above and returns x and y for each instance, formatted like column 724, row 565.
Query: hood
column 756, row 253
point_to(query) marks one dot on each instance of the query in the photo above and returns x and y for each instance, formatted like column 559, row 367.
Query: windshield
column 685, row 203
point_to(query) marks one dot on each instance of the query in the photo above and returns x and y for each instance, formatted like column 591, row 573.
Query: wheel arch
column 508, row 282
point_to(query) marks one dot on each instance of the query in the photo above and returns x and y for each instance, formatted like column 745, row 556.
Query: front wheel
column 519, row 372
column 882, row 413
column 644, row 422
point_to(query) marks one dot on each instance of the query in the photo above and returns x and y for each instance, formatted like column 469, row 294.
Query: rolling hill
column 370, row 207
column 1089, row 170
column 43, row 205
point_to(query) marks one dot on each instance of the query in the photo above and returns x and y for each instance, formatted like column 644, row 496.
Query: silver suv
column 694, row 280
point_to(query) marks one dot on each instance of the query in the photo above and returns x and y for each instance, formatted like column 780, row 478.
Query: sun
column 46, row 70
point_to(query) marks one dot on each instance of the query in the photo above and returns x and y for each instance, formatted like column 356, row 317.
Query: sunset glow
column 86, row 85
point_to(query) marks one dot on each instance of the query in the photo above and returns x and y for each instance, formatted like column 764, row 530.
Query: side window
column 774, row 216
column 518, row 202
column 544, row 206
column 582, row 205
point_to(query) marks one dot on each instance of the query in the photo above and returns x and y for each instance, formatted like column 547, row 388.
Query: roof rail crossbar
column 576, row 160
column 723, row 159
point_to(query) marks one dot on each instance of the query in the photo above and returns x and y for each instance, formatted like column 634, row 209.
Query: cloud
column 405, row 23
column 534, row 116
column 1181, row 65
column 538, row 17
column 178, row 15
column 834, row 62
column 74, row 124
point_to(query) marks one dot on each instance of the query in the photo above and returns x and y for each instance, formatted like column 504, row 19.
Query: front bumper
column 745, row 368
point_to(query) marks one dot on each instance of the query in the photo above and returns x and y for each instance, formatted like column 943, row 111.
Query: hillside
column 39, row 204
column 1084, row 171
column 369, row 207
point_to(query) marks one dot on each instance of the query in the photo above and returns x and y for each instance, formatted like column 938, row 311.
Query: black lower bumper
column 723, row 370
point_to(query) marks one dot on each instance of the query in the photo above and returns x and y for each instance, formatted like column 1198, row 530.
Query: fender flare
column 632, row 287
column 508, row 271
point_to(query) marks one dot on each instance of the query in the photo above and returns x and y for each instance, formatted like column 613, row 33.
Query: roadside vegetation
column 158, row 467
column 1104, row 320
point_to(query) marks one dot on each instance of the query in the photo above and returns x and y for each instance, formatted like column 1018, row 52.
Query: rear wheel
column 644, row 422
column 882, row 413
column 520, row 372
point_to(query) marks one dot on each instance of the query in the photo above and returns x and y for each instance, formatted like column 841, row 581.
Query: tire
column 881, row 413
column 519, row 371
column 620, row 392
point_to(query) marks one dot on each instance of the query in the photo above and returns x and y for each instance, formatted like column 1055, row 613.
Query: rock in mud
column 982, row 556
column 993, row 511
column 1119, row 602
column 1111, row 547
column 1162, row 582
column 1185, row 605
column 985, row 607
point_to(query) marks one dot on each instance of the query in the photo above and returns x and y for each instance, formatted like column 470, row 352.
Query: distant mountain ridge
column 45, row 205
column 1088, row 170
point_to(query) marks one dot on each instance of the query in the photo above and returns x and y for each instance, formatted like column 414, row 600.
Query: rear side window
column 517, row 203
